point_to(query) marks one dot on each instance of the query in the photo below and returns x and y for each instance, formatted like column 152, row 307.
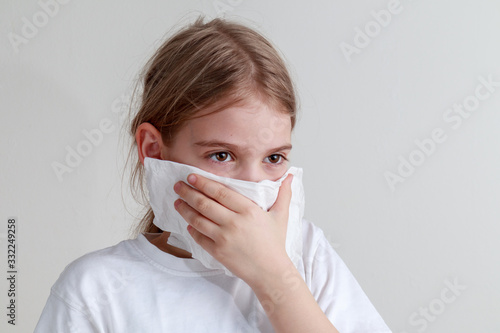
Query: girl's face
column 251, row 141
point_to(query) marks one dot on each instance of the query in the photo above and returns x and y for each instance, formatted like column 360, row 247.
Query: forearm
column 288, row 303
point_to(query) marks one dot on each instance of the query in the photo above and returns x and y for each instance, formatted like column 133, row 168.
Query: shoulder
column 97, row 261
column 334, row 287
column 322, row 264
column 318, row 253
column 94, row 271
column 310, row 231
column 314, row 240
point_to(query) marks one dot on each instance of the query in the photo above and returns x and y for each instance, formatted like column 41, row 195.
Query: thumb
column 282, row 203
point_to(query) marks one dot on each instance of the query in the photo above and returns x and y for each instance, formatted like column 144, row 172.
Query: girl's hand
column 249, row 241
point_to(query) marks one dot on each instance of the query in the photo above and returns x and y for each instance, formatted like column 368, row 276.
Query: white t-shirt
column 135, row 287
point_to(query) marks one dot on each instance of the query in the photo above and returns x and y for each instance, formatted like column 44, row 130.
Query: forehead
column 250, row 124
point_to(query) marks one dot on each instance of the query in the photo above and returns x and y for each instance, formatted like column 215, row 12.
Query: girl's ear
column 149, row 142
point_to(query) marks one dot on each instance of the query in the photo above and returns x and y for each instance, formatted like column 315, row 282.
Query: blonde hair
column 203, row 64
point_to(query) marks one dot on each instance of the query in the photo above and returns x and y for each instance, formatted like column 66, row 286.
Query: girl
column 210, row 93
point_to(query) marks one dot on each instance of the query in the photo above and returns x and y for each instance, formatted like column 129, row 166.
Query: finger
column 205, row 242
column 220, row 193
column 203, row 204
column 196, row 220
column 282, row 204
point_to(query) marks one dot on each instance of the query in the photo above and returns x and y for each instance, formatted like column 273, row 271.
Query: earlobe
column 149, row 142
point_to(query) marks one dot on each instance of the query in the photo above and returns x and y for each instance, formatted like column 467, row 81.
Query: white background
column 438, row 226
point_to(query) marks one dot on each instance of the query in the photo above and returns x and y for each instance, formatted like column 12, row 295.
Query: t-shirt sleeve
column 58, row 316
column 335, row 289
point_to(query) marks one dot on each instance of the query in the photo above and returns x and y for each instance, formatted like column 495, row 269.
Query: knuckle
column 197, row 222
column 202, row 204
column 251, row 211
column 222, row 240
column 182, row 190
column 220, row 193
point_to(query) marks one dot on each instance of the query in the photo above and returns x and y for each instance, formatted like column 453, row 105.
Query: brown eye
column 221, row 156
column 275, row 158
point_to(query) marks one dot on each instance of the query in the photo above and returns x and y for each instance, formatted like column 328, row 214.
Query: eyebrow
column 230, row 146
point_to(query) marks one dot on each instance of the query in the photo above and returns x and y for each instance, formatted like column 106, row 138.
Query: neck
column 160, row 241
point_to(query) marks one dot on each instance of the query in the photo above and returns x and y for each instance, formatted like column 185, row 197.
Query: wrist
column 272, row 279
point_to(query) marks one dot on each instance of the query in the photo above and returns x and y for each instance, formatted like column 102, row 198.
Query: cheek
column 181, row 153
column 274, row 172
column 217, row 168
column 254, row 172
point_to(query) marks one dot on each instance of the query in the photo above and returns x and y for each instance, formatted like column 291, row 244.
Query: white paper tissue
column 161, row 176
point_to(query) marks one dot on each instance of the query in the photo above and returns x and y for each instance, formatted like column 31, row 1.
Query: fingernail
column 177, row 187
column 191, row 179
column 177, row 203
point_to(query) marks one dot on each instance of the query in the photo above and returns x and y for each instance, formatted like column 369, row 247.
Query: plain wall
column 370, row 107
